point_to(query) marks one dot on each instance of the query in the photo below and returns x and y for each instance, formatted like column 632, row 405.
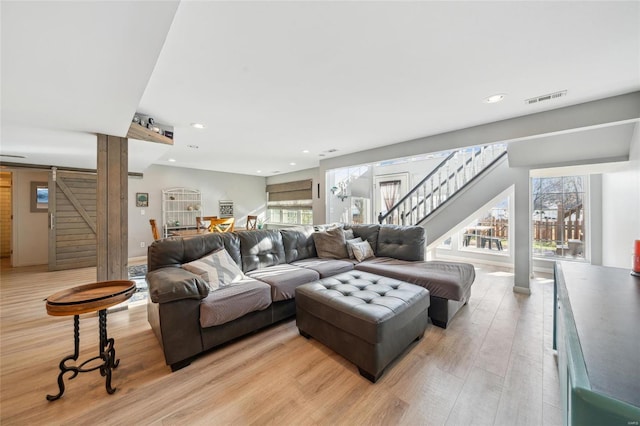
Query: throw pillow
column 217, row 268
column 330, row 244
column 350, row 246
column 348, row 234
column 362, row 250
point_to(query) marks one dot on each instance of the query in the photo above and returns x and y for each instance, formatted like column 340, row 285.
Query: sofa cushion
column 401, row 242
column 362, row 250
column 218, row 269
column 175, row 251
column 298, row 243
column 325, row 267
column 448, row 280
column 284, row 279
column 196, row 246
column 348, row 234
column 367, row 233
column 330, row 244
column 261, row 248
column 232, row 302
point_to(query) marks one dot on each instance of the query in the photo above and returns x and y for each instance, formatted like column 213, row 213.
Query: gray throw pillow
column 330, row 244
column 348, row 234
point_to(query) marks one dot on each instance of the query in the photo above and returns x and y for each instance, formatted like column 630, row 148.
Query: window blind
column 290, row 191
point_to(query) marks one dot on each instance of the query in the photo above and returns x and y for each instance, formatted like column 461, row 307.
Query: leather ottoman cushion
column 363, row 304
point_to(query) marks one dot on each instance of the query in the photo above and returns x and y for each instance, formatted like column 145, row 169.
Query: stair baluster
column 453, row 174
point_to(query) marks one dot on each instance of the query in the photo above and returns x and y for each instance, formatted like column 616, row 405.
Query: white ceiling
column 271, row 79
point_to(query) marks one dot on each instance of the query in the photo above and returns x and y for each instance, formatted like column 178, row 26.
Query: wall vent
column 544, row 98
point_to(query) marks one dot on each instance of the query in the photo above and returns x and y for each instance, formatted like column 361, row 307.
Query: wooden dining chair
column 200, row 220
column 154, row 229
column 252, row 222
column 222, row 225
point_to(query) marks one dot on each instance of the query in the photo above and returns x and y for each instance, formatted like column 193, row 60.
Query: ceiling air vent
column 544, row 98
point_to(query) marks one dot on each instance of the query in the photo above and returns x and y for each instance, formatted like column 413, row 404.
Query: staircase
column 455, row 173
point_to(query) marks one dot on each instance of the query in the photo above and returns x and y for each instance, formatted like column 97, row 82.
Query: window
column 488, row 232
column 559, row 216
column 290, row 203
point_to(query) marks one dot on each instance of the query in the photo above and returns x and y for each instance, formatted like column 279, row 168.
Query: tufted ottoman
column 366, row 318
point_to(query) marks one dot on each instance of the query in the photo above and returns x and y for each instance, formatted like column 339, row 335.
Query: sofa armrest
column 171, row 283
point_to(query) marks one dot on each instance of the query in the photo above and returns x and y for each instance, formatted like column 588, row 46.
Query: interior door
column 72, row 220
column 379, row 181
column 5, row 214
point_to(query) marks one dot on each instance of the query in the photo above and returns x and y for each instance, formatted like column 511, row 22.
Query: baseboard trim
column 521, row 290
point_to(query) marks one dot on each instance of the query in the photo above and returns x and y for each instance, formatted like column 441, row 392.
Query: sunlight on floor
column 501, row 274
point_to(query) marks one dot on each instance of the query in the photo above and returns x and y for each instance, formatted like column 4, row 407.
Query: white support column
column 521, row 237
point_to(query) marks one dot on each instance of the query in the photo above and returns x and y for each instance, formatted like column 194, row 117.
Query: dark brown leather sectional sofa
column 188, row 319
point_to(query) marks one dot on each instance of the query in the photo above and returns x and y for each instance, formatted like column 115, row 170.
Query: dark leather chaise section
column 448, row 280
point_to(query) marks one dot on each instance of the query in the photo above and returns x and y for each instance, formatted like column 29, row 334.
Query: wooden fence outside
column 569, row 226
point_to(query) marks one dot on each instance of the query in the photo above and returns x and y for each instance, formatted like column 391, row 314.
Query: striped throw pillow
column 217, row 268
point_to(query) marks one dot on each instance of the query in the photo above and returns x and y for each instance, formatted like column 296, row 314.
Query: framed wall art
column 142, row 199
column 39, row 197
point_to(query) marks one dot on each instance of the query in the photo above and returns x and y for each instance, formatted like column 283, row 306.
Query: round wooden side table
column 85, row 299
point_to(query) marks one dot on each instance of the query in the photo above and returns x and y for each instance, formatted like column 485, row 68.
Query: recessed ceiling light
column 258, row 171
column 494, row 98
column 172, row 160
column 198, row 125
column 306, row 151
column 292, row 164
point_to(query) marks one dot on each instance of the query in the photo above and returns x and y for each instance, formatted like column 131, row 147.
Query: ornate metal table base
column 106, row 351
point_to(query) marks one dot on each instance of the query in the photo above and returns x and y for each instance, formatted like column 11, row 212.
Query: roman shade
column 291, row 191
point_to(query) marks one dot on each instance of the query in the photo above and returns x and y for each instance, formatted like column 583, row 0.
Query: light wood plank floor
column 493, row 365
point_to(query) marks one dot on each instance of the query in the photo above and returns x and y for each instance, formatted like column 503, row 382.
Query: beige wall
column 247, row 193
column 621, row 209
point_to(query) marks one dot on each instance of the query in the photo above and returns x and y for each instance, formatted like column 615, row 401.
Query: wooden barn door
column 72, row 220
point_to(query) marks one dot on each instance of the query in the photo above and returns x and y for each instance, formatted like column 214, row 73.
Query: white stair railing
column 450, row 176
